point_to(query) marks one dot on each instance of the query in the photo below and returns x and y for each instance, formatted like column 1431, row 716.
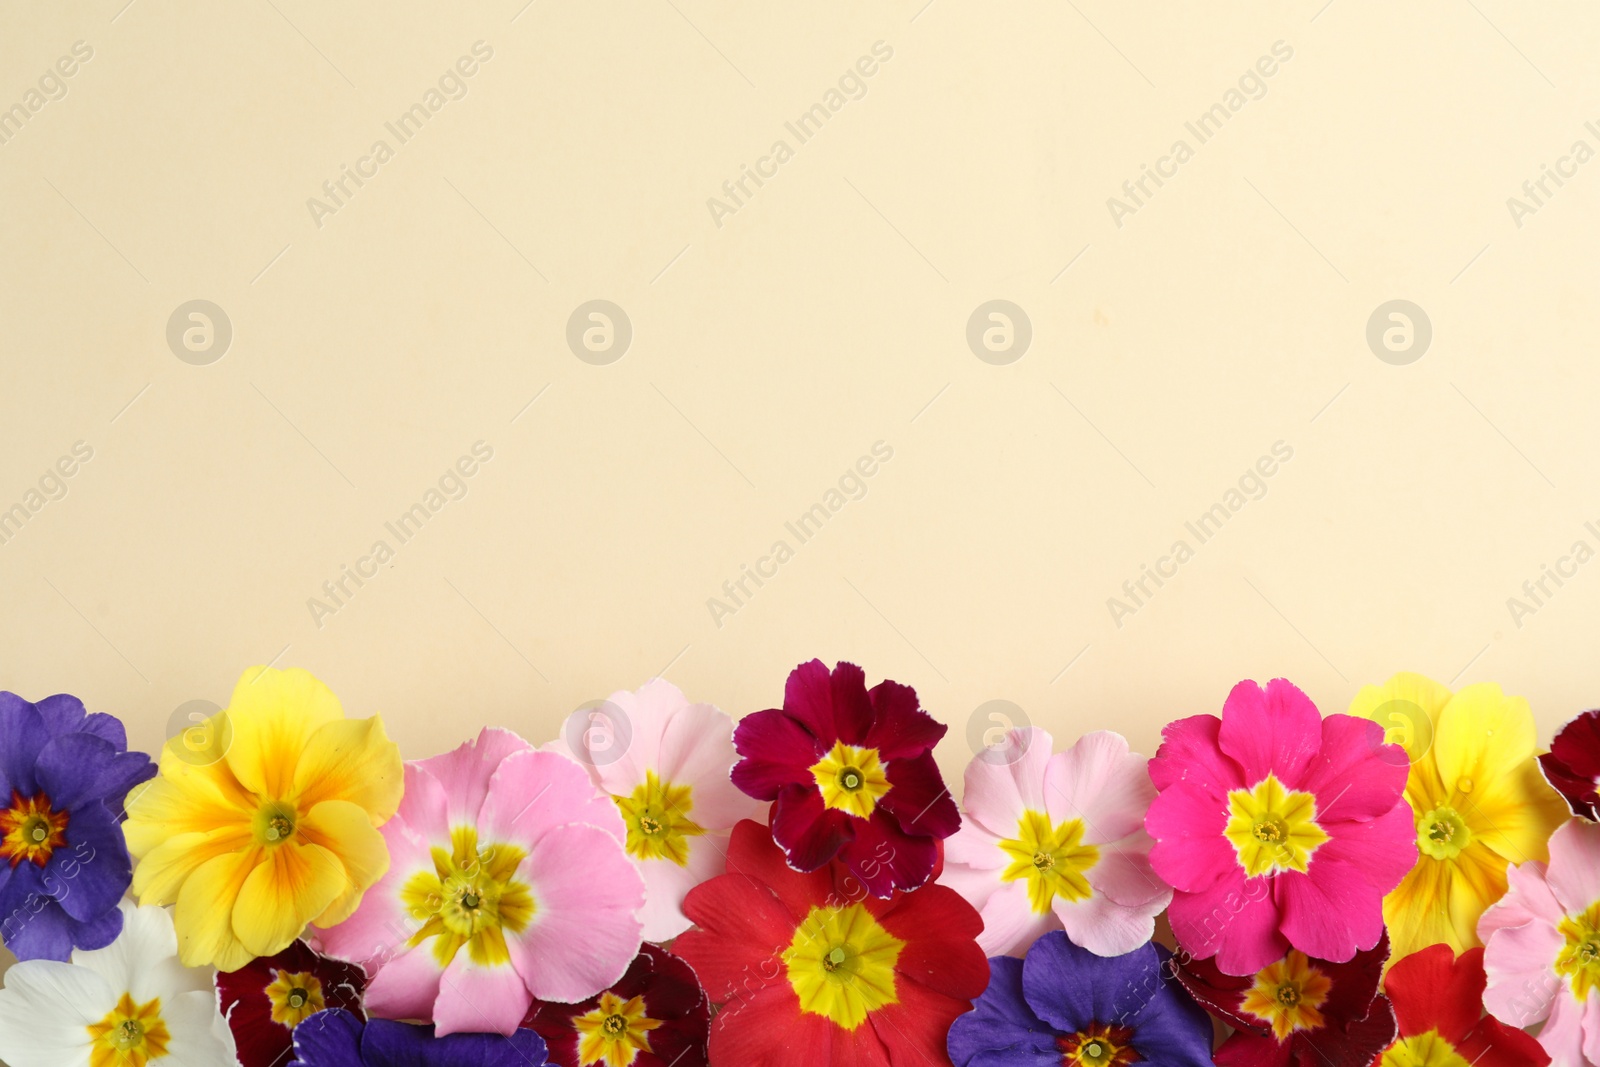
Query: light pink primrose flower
column 507, row 882
column 1542, row 947
column 1278, row 829
column 1052, row 842
column 665, row 763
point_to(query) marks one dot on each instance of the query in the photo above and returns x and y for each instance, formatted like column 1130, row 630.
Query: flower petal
column 1563, row 1036
column 810, row 833
column 776, row 750
column 346, row 831
column 766, row 1028
column 900, row 728
column 533, row 791
column 918, row 800
column 1190, row 852
column 1355, row 775
column 666, row 884
column 466, row 770
column 291, row 885
column 273, row 715
column 1010, row 925
column 1001, row 1021
column 406, row 985
column 1190, row 753
column 1276, row 730
column 1114, row 920
column 1236, row 921
column 480, row 999
column 584, row 933
column 1573, row 873
column 1101, row 782
column 351, row 760
column 997, row 792
column 204, row 911
column 939, row 931
column 832, row 705
column 1522, row 984
column 143, row 960
column 1432, row 990
column 740, row 929
column 697, row 750
column 44, row 1011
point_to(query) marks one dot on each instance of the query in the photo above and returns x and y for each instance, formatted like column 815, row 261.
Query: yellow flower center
column 1442, row 834
column 274, row 823
column 851, row 779
column 470, row 898
column 293, row 996
column 1423, row 1050
column 1273, row 829
column 1287, row 995
column 1098, row 1045
column 30, row 829
column 841, row 964
column 657, row 819
column 614, row 1033
column 1051, row 857
column 1579, row 958
column 130, row 1035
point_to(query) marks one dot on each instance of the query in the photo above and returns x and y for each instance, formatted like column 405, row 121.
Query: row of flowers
column 1410, row 884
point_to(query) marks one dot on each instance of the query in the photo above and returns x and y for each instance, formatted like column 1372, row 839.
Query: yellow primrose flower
column 267, row 822
column 1478, row 799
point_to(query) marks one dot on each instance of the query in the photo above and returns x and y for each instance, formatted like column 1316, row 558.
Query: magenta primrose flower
column 1278, row 829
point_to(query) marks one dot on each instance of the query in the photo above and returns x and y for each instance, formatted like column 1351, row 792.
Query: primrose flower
column 1438, row 1002
column 1476, row 797
column 268, row 997
column 1064, row 1005
column 1542, row 947
column 665, row 763
column 1058, row 841
column 656, row 1016
column 338, row 1038
column 126, row 1005
column 508, row 881
column 63, row 863
column 1572, row 765
column 811, row 970
column 277, row 831
column 1278, row 828
column 1299, row 1011
column 852, row 774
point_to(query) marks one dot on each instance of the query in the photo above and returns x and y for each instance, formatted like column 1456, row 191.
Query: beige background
column 828, row 313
